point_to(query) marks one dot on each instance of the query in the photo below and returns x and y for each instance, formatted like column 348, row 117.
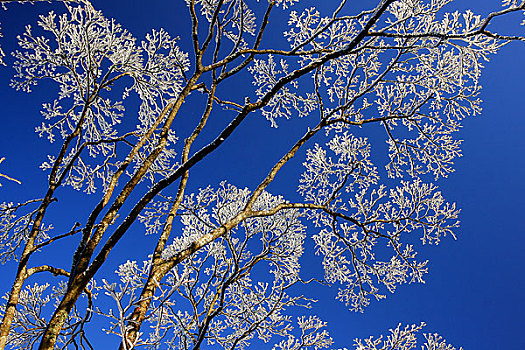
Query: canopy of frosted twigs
column 230, row 271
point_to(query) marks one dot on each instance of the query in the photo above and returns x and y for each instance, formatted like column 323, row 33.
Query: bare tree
column 229, row 275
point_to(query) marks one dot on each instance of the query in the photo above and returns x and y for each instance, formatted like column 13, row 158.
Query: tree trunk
column 56, row 323
column 10, row 307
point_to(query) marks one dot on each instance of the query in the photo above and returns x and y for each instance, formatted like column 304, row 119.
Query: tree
column 225, row 268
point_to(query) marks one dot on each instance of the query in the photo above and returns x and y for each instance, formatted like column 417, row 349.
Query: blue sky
column 474, row 292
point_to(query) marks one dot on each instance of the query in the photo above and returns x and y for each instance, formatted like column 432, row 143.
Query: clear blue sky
column 474, row 295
